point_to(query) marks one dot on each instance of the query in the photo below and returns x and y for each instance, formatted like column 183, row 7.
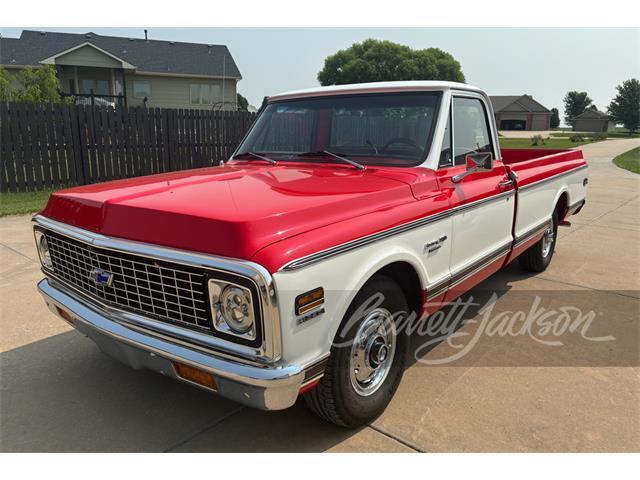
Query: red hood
column 234, row 210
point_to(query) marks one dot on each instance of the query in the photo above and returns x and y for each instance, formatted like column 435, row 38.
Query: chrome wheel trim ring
column 372, row 352
column 547, row 240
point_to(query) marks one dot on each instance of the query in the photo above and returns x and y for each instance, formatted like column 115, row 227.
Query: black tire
column 533, row 258
column 335, row 399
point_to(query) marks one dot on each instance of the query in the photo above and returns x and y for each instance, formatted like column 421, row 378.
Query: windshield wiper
column 257, row 155
column 334, row 155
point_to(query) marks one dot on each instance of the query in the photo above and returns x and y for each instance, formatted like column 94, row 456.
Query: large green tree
column 31, row 85
column 5, row 85
column 381, row 60
column 625, row 107
column 243, row 103
column 576, row 103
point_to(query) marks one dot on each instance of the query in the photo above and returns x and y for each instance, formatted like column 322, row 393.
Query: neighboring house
column 129, row 71
column 520, row 112
column 593, row 121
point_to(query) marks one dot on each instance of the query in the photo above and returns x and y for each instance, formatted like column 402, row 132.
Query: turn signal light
column 64, row 314
column 195, row 375
column 309, row 300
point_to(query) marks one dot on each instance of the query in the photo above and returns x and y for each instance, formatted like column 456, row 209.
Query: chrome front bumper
column 266, row 388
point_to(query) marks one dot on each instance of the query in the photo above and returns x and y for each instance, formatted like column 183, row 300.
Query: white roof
column 375, row 87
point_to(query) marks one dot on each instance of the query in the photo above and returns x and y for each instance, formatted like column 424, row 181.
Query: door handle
column 505, row 183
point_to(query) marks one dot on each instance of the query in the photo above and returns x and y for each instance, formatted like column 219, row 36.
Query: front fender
column 341, row 277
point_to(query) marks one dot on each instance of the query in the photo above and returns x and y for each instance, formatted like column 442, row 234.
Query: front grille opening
column 162, row 290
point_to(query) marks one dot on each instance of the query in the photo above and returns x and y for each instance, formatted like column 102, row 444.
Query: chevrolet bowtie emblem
column 101, row 277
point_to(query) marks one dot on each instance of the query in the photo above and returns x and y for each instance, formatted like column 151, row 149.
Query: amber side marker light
column 309, row 300
column 64, row 314
column 195, row 375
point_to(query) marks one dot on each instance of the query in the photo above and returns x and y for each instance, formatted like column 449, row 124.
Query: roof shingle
column 522, row 102
column 156, row 56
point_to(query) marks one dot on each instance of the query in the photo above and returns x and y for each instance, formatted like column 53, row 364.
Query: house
column 520, row 112
column 593, row 121
column 129, row 71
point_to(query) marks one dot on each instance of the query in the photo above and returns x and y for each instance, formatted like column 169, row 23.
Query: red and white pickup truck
column 253, row 279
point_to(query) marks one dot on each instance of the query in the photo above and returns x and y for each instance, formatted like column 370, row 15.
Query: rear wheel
column 538, row 257
column 367, row 358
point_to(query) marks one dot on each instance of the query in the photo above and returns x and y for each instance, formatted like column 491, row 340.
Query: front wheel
column 538, row 257
column 367, row 358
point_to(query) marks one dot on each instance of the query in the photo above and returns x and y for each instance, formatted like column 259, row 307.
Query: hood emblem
column 101, row 277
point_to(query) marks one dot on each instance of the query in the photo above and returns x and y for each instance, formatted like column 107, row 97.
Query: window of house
column 141, row 88
column 204, row 94
column 470, row 128
column 98, row 87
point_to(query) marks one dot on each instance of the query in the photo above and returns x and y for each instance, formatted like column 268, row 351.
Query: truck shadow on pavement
column 63, row 394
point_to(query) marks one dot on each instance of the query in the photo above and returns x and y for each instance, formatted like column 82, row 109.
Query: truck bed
column 532, row 164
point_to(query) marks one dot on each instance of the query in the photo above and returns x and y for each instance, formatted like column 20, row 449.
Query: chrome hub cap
column 547, row 240
column 372, row 352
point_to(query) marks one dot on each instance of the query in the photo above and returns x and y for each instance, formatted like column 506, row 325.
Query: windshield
column 378, row 129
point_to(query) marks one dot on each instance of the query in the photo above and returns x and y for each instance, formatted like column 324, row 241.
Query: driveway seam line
column 396, row 438
column 595, row 219
column 18, row 252
column 201, row 431
column 610, row 292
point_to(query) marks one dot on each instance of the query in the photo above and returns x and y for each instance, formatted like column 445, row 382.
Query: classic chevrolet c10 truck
column 287, row 269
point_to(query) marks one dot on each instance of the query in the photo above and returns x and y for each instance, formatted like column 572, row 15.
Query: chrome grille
column 163, row 290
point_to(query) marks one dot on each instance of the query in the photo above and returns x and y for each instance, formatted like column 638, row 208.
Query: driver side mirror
column 476, row 162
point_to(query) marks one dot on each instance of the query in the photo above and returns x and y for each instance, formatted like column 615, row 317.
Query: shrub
column 576, row 137
column 596, row 137
column 537, row 139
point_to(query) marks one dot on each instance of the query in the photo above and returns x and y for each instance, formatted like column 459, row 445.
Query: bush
column 576, row 137
column 538, row 140
column 596, row 137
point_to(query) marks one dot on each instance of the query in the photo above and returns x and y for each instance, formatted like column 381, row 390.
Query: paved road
column 59, row 393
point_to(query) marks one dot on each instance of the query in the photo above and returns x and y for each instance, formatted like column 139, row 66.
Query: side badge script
column 434, row 245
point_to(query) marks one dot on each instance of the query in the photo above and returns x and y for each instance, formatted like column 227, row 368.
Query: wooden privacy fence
column 49, row 146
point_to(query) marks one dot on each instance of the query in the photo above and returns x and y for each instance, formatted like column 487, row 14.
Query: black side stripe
column 458, row 277
column 369, row 239
column 529, row 234
column 471, row 270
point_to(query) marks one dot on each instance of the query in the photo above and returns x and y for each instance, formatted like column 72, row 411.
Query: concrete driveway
column 59, row 393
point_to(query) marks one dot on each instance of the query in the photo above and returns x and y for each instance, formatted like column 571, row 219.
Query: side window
column 446, row 156
column 141, row 88
column 470, row 128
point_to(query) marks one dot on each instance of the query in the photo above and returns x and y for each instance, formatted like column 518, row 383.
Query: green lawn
column 23, row 202
column 629, row 160
column 554, row 142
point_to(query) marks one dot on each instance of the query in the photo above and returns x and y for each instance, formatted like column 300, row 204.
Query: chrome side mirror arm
column 476, row 162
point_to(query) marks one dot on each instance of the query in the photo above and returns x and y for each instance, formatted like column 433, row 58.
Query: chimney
column 146, row 39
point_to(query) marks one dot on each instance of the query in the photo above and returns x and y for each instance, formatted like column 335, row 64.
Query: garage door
column 513, row 124
column 540, row 122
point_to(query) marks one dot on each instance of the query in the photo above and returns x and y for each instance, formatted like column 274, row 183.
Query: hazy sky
column 545, row 63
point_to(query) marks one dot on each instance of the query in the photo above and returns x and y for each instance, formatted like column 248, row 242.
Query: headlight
column 43, row 250
column 236, row 309
column 232, row 309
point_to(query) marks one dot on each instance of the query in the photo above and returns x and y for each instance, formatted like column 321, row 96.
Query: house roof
column 517, row 103
column 592, row 114
column 153, row 56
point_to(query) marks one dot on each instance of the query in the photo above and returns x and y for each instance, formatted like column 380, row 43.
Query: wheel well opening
column 562, row 207
column 408, row 280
